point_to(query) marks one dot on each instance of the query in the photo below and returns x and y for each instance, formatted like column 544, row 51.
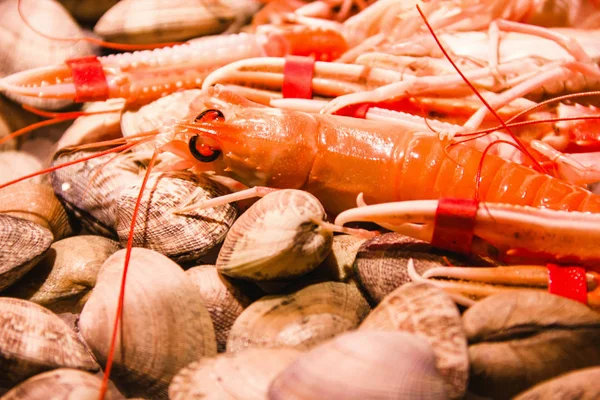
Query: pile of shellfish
column 256, row 299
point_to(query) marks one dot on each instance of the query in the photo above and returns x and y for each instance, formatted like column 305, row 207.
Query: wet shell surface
column 23, row 244
column 165, row 325
column 234, row 376
column 16, row 164
column 37, row 203
column 276, row 238
column 36, row 340
column 583, row 384
column 153, row 21
column 521, row 338
column 64, row 384
column 64, row 278
column 183, row 237
column 428, row 311
column 25, row 49
column 363, row 365
column 223, row 299
column 301, row 320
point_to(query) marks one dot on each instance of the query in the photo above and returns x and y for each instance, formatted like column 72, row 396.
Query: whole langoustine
column 335, row 158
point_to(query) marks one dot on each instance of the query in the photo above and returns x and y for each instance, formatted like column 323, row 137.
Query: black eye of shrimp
column 209, row 113
column 202, row 152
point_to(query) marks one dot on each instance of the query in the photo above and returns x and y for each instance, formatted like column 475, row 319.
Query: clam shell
column 301, row 320
column 242, row 376
column 36, row 203
column 338, row 265
column 154, row 21
column 363, row 365
column 22, row 245
column 12, row 118
column 64, row 384
column 520, row 338
column 24, row 49
column 16, row 164
column 428, row 311
column 583, row 384
column 381, row 262
column 165, row 325
column 276, row 238
column 223, row 299
column 35, row 340
column 64, row 278
column 179, row 237
column 88, row 10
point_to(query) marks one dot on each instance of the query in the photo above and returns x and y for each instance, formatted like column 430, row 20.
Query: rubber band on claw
column 89, row 79
column 455, row 224
column 298, row 74
column 569, row 282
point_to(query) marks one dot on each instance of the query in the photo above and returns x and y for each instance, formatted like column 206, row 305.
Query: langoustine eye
column 201, row 151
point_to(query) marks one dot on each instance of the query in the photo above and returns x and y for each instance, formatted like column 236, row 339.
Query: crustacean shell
column 64, row 384
column 36, row 340
column 278, row 237
column 37, row 203
column 24, row 49
column 180, row 237
column 233, row 376
column 583, row 384
column 88, row 10
column 381, row 263
column 518, row 339
column 428, row 311
column 64, row 278
column 22, row 243
column 363, row 365
column 165, row 325
column 223, row 299
column 16, row 164
column 301, row 320
column 152, row 21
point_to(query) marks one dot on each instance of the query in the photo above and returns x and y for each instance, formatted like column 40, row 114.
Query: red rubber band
column 297, row 77
column 454, row 225
column 569, row 282
column 89, row 79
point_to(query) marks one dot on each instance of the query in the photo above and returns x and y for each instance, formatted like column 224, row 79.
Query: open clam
column 363, row 365
column 165, row 325
column 301, row 319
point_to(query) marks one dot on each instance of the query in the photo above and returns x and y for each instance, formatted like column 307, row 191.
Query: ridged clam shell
column 428, row 311
column 583, row 384
column 22, row 244
column 521, row 338
column 180, row 237
column 88, row 10
column 223, row 299
column 24, row 49
column 36, row 340
column 165, row 325
column 301, row 320
column 381, row 262
column 152, row 21
column 16, row 164
column 64, row 384
column 363, row 365
column 276, row 238
column 64, row 278
column 338, row 265
column 37, row 203
column 241, row 376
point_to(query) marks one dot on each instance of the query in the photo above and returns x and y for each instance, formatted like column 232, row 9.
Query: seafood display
column 299, row 199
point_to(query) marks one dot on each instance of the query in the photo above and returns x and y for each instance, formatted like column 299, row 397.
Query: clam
column 37, row 203
column 22, row 245
column 381, row 263
column 24, row 49
column 337, row 266
column 223, row 299
column 64, row 384
column 62, row 281
column 363, row 365
column 242, row 376
column 301, row 320
column 583, row 384
column 278, row 237
column 165, row 325
column 12, row 118
column 88, row 10
column 181, row 237
column 428, row 311
column 36, row 340
column 521, row 338
column 153, row 21
column 16, row 164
